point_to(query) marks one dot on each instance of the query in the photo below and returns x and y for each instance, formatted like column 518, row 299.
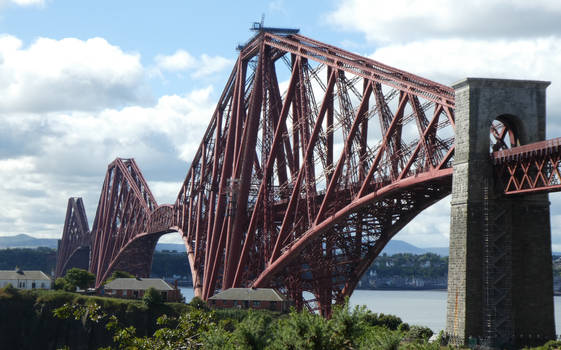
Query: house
column 134, row 288
column 254, row 298
column 25, row 279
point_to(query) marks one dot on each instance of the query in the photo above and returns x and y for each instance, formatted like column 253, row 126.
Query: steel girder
column 122, row 216
column 314, row 158
column 74, row 247
column 533, row 167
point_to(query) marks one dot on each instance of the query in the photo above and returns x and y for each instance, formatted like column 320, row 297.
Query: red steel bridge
column 313, row 160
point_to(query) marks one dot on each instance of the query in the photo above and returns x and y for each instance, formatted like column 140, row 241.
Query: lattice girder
column 304, row 131
column 123, row 212
column 75, row 238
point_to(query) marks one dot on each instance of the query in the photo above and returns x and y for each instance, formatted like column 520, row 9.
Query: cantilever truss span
column 313, row 160
column 74, row 247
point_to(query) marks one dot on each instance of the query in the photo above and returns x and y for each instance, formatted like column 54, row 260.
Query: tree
column 62, row 283
column 79, row 278
column 152, row 297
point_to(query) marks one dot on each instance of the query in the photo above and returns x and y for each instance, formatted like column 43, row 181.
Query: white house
column 25, row 279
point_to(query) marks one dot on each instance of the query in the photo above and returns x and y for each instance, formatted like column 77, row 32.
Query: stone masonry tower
column 500, row 287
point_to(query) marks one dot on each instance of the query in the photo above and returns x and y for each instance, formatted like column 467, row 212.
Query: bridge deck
column 530, row 168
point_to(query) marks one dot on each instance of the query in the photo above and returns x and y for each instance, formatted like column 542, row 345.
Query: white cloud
column 449, row 60
column 182, row 61
column 211, row 64
column 409, row 20
column 72, row 151
column 431, row 228
column 179, row 61
column 69, row 107
column 68, row 74
column 23, row 3
column 28, row 2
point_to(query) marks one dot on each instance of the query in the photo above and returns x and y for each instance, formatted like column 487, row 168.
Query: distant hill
column 25, row 241
column 396, row 246
column 393, row 247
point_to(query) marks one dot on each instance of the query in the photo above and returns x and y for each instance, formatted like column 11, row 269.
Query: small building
column 254, row 298
column 25, row 279
column 134, row 288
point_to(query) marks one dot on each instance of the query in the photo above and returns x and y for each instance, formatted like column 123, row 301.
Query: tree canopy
column 74, row 278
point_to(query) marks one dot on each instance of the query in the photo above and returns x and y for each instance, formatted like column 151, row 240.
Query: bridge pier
column 500, row 286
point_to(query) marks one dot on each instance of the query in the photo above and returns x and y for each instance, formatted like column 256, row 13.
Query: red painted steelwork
column 123, row 213
column 533, row 167
column 74, row 247
column 312, row 161
column 300, row 188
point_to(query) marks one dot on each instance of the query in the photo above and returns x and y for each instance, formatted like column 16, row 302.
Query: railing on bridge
column 533, row 167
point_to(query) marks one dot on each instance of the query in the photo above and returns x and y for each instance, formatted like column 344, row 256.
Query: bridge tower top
column 480, row 101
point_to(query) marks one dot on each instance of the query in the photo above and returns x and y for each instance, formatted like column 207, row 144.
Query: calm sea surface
column 427, row 308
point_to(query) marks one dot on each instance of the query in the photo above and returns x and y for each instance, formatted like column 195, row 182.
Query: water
column 420, row 307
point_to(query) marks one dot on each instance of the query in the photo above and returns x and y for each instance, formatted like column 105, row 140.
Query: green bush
column 381, row 340
column 419, row 333
column 301, row 330
column 75, row 278
column 550, row 345
column 79, row 278
column 404, row 327
column 388, row 321
column 152, row 297
column 198, row 303
column 8, row 291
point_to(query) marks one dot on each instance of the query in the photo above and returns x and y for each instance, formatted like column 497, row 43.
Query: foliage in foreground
column 75, row 278
column 27, row 320
column 550, row 345
column 200, row 328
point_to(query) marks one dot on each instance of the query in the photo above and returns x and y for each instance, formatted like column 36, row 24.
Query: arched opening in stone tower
column 503, row 134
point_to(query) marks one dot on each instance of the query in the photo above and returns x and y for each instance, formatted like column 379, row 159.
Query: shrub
column 198, row 303
column 419, row 332
column 404, row 327
column 382, row 339
column 388, row 321
column 62, row 284
column 152, row 297
column 550, row 345
column 79, row 278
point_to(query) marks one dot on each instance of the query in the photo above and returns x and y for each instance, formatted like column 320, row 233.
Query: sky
column 84, row 82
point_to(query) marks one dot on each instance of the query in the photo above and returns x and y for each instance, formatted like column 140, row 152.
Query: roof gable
column 255, row 294
column 138, row 284
column 23, row 275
